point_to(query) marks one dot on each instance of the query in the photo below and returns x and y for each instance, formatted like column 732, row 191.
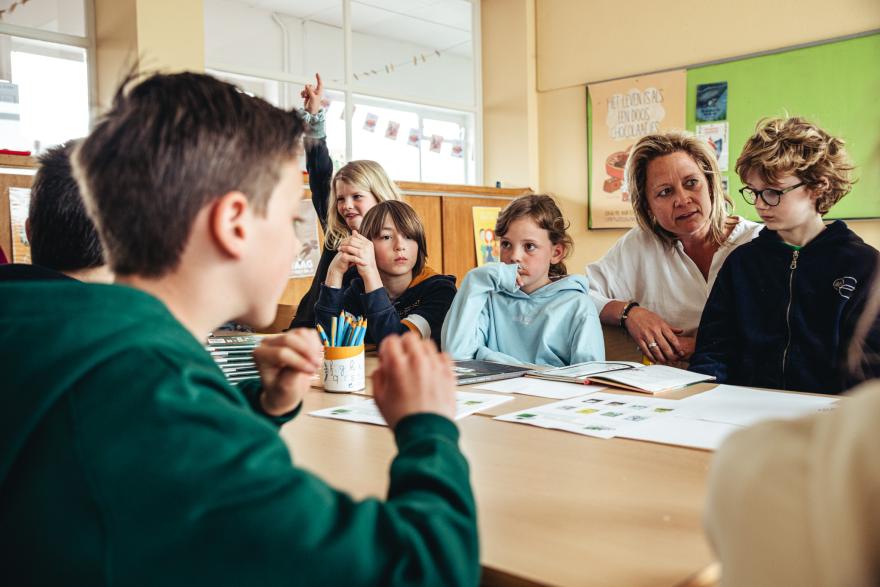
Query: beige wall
column 510, row 99
column 580, row 41
column 158, row 34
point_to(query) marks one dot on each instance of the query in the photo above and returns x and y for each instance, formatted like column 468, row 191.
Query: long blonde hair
column 362, row 174
column 651, row 147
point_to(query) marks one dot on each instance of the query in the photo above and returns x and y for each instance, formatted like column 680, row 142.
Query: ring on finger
column 652, row 344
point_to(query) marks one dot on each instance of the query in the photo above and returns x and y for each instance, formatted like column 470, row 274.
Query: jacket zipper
column 792, row 267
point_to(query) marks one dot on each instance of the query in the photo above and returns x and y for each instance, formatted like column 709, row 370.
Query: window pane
column 414, row 142
column 32, row 118
column 276, row 37
column 285, row 95
column 381, row 131
column 414, row 48
column 446, row 151
column 59, row 16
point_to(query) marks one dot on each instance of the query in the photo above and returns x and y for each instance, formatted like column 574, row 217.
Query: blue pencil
column 352, row 332
column 323, row 336
column 356, row 333
column 340, row 329
column 361, row 335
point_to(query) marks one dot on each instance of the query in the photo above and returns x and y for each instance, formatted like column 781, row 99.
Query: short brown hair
column 651, row 147
column 169, row 146
column 407, row 222
column 62, row 235
column 363, row 174
column 544, row 211
column 795, row 146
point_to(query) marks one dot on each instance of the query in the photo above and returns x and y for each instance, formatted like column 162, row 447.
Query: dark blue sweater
column 783, row 319
column 428, row 296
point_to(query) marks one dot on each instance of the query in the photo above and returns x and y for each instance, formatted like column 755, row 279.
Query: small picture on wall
column 712, row 102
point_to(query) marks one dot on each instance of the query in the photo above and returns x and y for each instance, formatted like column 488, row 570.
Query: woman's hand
column 687, row 345
column 656, row 338
column 361, row 250
column 313, row 95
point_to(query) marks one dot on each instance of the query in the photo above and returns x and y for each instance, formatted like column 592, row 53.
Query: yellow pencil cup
column 343, row 369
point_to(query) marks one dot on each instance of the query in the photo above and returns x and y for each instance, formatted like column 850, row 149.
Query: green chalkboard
column 836, row 85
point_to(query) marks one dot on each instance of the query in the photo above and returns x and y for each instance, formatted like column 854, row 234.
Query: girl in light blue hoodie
column 526, row 309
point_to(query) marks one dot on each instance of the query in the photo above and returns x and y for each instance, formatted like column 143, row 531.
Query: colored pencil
column 323, row 336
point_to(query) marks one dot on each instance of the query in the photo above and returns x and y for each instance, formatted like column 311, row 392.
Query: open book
column 633, row 376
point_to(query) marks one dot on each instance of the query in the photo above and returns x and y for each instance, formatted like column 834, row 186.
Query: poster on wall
column 716, row 135
column 488, row 249
column 623, row 111
column 712, row 101
column 19, row 202
column 306, row 262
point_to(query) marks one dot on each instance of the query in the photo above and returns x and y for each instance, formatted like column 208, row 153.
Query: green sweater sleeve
column 251, row 389
column 194, row 487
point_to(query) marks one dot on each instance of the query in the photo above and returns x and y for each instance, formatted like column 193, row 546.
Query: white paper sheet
column 365, row 411
column 603, row 415
column 744, row 406
column 682, row 432
column 540, row 387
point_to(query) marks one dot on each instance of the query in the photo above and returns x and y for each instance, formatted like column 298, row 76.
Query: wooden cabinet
column 16, row 171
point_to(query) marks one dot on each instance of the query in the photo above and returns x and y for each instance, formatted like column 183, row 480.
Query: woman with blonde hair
column 655, row 280
column 341, row 205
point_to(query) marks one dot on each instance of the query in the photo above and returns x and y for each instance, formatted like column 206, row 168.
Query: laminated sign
column 623, row 111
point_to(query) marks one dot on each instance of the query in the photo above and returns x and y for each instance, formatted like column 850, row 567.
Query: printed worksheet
column 365, row 411
column 744, row 406
column 602, row 415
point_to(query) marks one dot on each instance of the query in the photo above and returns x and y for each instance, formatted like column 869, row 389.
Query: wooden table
column 554, row 508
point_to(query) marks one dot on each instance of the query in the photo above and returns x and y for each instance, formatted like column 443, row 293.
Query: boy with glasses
column 784, row 307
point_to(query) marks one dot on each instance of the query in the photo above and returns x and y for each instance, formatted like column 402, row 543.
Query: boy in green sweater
column 125, row 456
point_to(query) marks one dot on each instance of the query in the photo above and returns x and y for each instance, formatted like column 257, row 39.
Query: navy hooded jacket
column 782, row 318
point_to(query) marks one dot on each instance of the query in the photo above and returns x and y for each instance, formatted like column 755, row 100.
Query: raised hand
column 312, row 95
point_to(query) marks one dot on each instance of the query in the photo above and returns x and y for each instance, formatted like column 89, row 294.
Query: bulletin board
column 835, row 84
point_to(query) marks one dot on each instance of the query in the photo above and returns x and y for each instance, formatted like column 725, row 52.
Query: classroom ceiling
column 438, row 24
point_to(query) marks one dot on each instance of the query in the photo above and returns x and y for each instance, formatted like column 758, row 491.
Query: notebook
column 467, row 372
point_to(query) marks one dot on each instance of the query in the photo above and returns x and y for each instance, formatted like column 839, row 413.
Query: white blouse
column 661, row 279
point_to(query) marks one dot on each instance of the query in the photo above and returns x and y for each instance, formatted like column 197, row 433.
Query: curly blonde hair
column 651, row 147
column 795, row 146
column 544, row 211
column 365, row 175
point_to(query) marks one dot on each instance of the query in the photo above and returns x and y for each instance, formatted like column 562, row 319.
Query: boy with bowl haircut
column 126, row 457
column 784, row 307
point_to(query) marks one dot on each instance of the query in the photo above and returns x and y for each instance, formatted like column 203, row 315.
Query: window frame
column 87, row 43
column 351, row 87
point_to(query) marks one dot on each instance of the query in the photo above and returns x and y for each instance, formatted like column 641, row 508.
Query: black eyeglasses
column 770, row 196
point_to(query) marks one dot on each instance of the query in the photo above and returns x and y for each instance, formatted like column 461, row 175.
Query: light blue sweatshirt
column 492, row 320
